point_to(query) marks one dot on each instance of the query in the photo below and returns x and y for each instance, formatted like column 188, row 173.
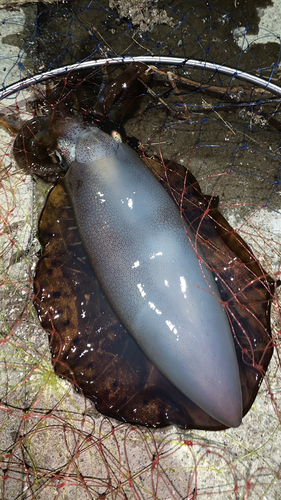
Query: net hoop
column 149, row 60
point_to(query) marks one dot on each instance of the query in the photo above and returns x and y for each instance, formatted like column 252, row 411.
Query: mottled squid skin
column 161, row 291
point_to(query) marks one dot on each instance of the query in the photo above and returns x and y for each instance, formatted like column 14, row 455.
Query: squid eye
column 116, row 136
column 65, row 152
column 63, row 164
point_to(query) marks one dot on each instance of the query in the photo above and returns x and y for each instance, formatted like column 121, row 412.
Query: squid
column 151, row 269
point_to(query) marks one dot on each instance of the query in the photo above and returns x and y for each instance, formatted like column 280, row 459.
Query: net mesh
column 226, row 132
